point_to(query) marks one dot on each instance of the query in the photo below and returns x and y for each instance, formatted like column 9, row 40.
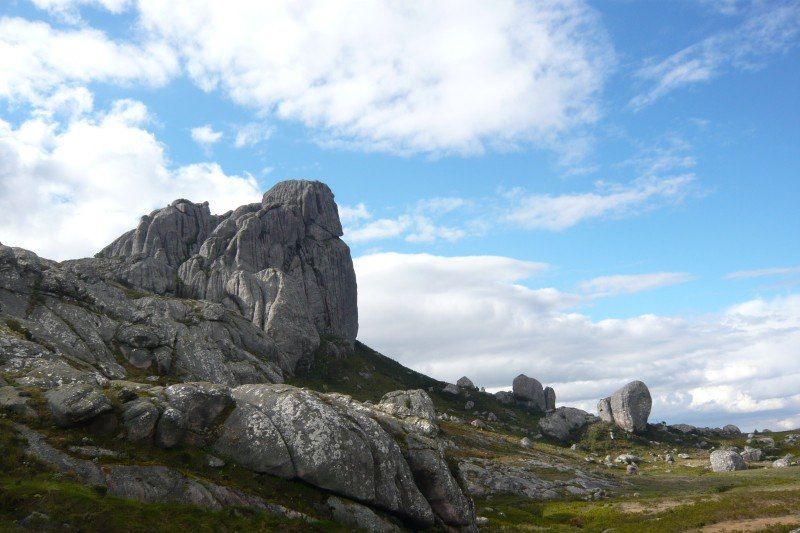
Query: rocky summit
column 208, row 364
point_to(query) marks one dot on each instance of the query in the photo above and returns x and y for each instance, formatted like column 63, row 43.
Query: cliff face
column 222, row 309
column 280, row 263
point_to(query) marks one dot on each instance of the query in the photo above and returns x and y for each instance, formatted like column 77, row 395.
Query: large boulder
column 297, row 433
column 751, row 454
column 726, row 461
column 139, row 419
column 465, row 383
column 560, row 422
column 201, row 404
column 529, row 391
column 549, row 398
column 76, row 403
column 783, row 462
column 414, row 407
column 628, row 408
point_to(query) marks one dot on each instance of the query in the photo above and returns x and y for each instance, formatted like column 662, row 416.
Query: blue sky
column 633, row 156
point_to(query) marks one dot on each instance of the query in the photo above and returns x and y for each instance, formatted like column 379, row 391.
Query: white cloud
column 627, row 284
column 452, row 76
column 68, row 189
column 205, row 135
column 472, row 316
column 252, row 134
column 418, row 224
column 68, row 10
column 771, row 29
column 352, row 214
column 37, row 59
column 763, row 272
column 544, row 211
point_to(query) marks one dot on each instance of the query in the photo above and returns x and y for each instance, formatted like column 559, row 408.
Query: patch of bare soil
column 753, row 524
column 652, row 506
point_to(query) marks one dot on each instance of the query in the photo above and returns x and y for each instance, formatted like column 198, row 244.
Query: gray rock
column 214, row 461
column 684, row 428
column 465, row 383
column 730, row 429
column 530, row 478
column 530, row 391
column 629, row 407
column 549, row 398
column 504, row 397
column 74, row 404
column 469, row 404
column 784, row 461
column 36, row 521
column 525, row 442
column 726, row 461
column 435, row 480
column 751, row 454
column 325, row 440
column 559, row 423
column 632, row 469
column 11, row 402
column 171, row 428
column 202, row 405
column 451, row 389
column 139, row 418
column 359, row 516
column 414, row 407
column 604, row 410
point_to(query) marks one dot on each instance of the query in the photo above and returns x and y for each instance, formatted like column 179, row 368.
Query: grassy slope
column 668, row 498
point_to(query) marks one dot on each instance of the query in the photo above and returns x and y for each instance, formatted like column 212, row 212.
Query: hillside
column 203, row 371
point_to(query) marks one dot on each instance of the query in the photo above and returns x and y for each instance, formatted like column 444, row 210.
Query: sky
column 587, row 192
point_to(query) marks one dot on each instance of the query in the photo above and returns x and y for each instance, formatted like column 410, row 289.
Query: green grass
column 679, row 510
column 365, row 375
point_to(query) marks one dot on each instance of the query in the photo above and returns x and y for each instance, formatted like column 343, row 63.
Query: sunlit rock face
column 280, row 263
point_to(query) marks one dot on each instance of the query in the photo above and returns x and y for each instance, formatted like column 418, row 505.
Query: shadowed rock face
column 280, row 263
column 628, row 408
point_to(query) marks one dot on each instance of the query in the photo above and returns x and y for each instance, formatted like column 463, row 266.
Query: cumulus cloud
column 630, row 283
column 37, row 59
column 69, row 188
column 768, row 29
column 205, row 135
column 453, row 76
column 481, row 316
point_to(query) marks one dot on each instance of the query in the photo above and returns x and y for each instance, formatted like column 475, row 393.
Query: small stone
column 632, row 469
column 215, row 462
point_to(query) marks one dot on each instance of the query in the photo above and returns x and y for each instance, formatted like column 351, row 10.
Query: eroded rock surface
column 628, row 408
column 530, row 391
column 560, row 422
column 280, row 263
column 726, row 461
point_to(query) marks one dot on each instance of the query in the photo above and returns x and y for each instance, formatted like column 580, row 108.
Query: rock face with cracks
column 280, row 263
column 224, row 308
column 628, row 408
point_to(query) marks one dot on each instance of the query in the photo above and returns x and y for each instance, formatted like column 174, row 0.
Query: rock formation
column 560, row 422
column 549, row 398
column 530, row 391
column 280, row 263
column 628, row 407
column 726, row 461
